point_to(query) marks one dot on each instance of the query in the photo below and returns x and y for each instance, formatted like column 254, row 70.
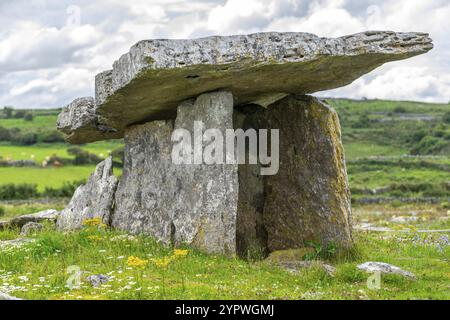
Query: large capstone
column 179, row 203
column 155, row 76
column 95, row 199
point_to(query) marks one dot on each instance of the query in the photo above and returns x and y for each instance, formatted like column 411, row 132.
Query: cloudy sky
column 50, row 50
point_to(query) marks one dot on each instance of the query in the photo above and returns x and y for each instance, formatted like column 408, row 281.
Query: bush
column 362, row 122
column 53, row 137
column 19, row 114
column 7, row 112
column 28, row 116
column 429, row 145
column 446, row 117
column 83, row 157
column 399, row 109
column 5, row 135
column 25, row 139
column 66, row 190
column 18, row 191
column 418, row 135
column 2, row 211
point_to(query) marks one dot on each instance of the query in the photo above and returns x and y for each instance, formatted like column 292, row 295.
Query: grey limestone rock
column 4, row 296
column 38, row 217
column 179, row 203
column 308, row 200
column 31, row 228
column 385, row 268
column 155, row 76
column 95, row 199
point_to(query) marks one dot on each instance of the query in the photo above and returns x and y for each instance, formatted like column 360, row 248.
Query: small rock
column 31, row 228
column 385, row 268
column 41, row 216
column 403, row 219
column 97, row 279
column 4, row 296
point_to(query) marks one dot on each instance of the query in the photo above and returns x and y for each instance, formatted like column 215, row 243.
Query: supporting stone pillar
column 147, row 188
column 205, row 205
column 179, row 203
column 308, row 201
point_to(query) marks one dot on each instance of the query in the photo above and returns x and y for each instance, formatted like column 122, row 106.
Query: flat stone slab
column 41, row 216
column 155, row 76
column 385, row 268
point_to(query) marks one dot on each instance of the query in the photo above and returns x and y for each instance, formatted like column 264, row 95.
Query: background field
column 393, row 149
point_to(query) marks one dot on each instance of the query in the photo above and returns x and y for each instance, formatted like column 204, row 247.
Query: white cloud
column 46, row 62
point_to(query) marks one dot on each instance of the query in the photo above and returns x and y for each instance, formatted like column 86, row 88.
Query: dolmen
column 225, row 150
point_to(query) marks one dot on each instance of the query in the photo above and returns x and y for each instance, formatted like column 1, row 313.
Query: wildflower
column 162, row 263
column 94, row 238
column 179, row 253
column 136, row 262
column 94, row 222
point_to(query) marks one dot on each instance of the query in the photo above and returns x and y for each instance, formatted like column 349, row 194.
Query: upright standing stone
column 206, row 201
column 146, row 190
column 180, row 203
column 95, row 199
column 309, row 199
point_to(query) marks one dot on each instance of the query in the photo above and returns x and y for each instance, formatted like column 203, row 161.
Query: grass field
column 41, row 270
column 46, row 177
column 40, row 151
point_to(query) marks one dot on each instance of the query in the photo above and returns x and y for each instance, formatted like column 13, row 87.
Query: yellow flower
column 94, row 222
column 163, row 262
column 180, row 253
column 94, row 238
column 136, row 262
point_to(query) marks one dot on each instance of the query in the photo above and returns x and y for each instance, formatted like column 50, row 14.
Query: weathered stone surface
column 150, row 81
column 79, row 117
column 205, row 205
column 179, row 203
column 95, row 199
column 385, row 268
column 308, row 200
column 47, row 215
column 146, row 191
column 31, row 228
column 96, row 280
column 4, row 296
